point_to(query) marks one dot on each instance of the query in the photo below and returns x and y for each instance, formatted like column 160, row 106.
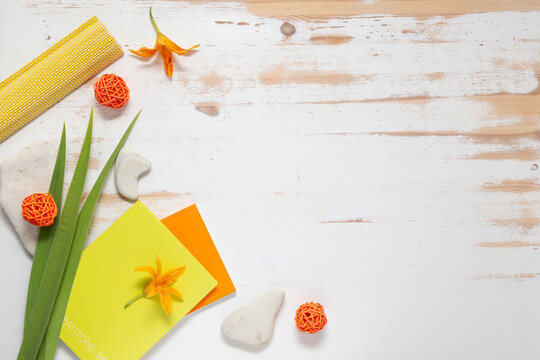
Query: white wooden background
column 381, row 160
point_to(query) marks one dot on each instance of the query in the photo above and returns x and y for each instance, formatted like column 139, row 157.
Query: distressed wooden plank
column 314, row 9
column 380, row 157
column 419, row 8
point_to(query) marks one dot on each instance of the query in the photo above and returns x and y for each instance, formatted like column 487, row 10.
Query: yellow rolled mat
column 54, row 74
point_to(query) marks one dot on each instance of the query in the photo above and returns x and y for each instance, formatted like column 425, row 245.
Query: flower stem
column 133, row 300
column 154, row 21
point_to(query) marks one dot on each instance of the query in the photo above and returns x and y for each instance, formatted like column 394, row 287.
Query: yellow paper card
column 96, row 325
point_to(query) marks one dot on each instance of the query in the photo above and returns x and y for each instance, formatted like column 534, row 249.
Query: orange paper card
column 188, row 227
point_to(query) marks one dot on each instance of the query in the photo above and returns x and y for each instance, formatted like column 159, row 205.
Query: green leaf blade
column 58, row 257
column 46, row 234
column 84, row 220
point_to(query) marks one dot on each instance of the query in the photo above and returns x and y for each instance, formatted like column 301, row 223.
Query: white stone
column 253, row 324
column 129, row 166
column 24, row 173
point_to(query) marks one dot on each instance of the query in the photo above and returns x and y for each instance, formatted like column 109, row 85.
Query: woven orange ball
column 310, row 317
column 111, row 91
column 39, row 209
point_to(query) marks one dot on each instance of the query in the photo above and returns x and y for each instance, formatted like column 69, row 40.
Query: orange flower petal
column 165, row 47
column 145, row 52
column 158, row 261
column 166, row 301
column 165, row 41
column 150, row 289
column 172, row 275
column 175, row 293
column 179, row 51
column 167, row 60
column 147, row 269
column 161, row 283
column 162, row 40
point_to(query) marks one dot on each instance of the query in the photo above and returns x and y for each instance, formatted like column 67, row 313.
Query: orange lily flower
column 160, row 284
column 165, row 47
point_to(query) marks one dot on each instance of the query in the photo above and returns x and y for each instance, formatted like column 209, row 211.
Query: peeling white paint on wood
column 378, row 161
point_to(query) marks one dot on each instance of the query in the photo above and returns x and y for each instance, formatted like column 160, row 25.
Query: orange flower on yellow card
column 165, row 47
column 160, row 284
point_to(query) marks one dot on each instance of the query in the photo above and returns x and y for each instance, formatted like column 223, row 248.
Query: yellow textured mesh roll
column 54, row 74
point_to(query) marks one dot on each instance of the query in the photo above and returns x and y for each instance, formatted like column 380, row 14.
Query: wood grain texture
column 379, row 157
column 306, row 9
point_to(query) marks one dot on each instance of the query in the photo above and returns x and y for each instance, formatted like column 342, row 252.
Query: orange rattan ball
column 39, row 209
column 310, row 317
column 111, row 91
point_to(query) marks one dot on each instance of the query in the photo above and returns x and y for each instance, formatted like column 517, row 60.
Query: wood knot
column 287, row 29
